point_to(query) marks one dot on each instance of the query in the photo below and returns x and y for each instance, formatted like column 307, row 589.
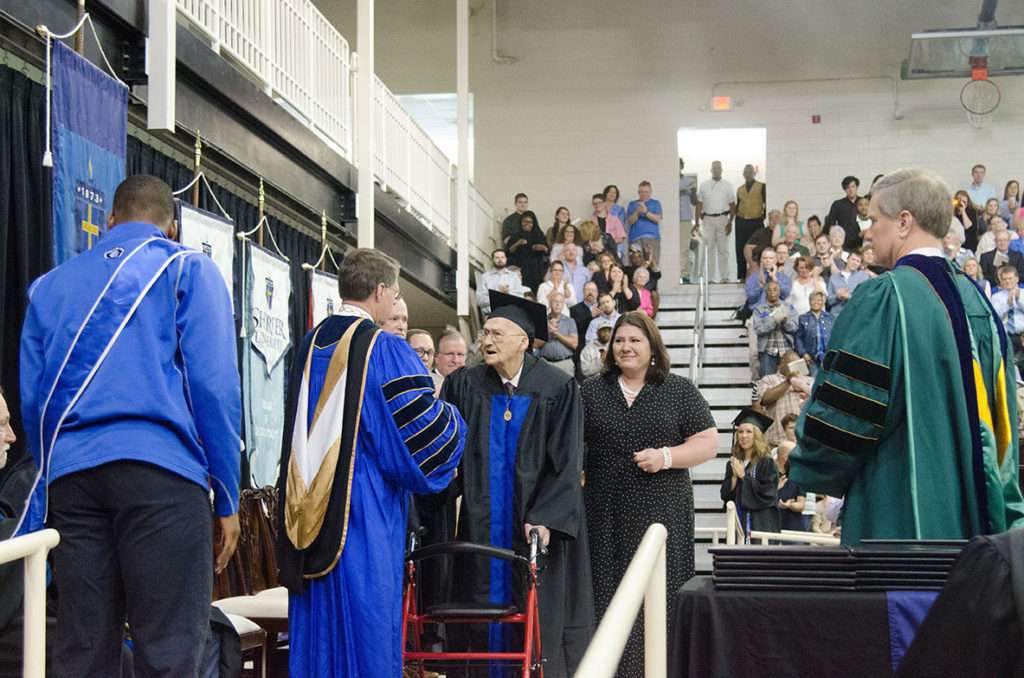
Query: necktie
column 510, row 390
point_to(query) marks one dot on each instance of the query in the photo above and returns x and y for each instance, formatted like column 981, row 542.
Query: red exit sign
column 815, row 119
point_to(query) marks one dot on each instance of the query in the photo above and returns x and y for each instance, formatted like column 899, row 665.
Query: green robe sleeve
column 848, row 411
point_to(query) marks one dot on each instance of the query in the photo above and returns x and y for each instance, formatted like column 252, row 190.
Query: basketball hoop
column 980, row 97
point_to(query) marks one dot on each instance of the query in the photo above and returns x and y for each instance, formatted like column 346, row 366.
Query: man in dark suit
column 1002, row 254
column 844, row 213
column 582, row 313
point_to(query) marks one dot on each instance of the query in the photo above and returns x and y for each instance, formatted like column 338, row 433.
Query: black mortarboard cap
column 528, row 315
column 749, row 415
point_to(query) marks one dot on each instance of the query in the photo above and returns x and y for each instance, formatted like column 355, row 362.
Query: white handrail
column 32, row 548
column 644, row 582
column 699, row 314
column 795, row 537
column 732, row 524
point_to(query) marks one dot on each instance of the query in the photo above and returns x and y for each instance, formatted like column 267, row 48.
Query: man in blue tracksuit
column 131, row 405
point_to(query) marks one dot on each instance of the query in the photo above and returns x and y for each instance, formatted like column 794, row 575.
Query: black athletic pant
column 744, row 229
column 136, row 544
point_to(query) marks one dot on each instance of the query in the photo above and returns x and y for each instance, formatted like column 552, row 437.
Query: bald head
column 144, row 198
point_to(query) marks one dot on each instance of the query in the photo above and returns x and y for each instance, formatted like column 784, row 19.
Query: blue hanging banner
column 89, row 135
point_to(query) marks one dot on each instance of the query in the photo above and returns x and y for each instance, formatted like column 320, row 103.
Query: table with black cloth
column 718, row 633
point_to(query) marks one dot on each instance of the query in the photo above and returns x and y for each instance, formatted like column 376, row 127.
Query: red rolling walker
column 530, row 656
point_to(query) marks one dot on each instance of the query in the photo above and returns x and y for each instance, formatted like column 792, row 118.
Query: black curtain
column 26, row 237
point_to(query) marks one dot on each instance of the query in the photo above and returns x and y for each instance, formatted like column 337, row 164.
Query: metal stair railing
column 699, row 314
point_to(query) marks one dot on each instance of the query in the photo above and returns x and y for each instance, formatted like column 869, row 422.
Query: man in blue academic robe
column 362, row 430
column 131, row 405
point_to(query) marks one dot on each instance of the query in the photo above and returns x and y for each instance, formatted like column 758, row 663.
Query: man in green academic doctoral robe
column 913, row 415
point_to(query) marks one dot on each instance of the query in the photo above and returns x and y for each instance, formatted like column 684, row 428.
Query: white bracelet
column 666, row 455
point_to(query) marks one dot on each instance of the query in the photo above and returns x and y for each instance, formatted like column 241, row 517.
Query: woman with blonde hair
column 973, row 271
column 790, row 216
column 751, row 477
column 593, row 241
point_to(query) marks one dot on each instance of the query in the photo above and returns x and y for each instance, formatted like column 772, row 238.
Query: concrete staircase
column 725, row 384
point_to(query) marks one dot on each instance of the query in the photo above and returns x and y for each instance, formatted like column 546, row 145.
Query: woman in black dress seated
column 528, row 249
column 643, row 428
column 751, row 478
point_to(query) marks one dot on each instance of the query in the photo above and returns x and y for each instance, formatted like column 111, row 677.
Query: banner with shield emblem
column 268, row 333
column 324, row 299
column 212, row 235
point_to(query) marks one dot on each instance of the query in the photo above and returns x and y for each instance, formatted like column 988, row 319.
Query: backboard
column 947, row 53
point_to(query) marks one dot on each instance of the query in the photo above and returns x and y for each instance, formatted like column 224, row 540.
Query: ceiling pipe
column 496, row 56
column 897, row 114
column 987, row 15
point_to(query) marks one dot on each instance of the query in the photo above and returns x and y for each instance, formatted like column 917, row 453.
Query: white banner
column 270, row 293
column 213, row 236
column 324, row 297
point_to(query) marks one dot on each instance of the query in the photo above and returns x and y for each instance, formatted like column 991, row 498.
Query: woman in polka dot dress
column 643, row 428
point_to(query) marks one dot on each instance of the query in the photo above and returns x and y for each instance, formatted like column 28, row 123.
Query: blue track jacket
column 101, row 382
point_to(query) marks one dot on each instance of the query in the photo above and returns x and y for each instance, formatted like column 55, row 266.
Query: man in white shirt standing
column 979, row 191
column 716, row 207
column 499, row 278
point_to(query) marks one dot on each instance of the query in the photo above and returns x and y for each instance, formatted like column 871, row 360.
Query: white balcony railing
column 300, row 59
column 32, row 548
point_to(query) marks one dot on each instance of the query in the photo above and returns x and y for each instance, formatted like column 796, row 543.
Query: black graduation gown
column 756, row 493
column 532, row 264
column 975, row 626
column 543, row 488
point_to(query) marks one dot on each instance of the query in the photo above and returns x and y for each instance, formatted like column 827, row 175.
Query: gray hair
column 957, row 230
column 836, row 228
column 362, row 270
column 920, row 192
column 451, row 335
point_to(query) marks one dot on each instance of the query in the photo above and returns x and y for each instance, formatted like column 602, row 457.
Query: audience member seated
column 973, row 271
column 987, row 242
column 451, row 352
column 822, row 257
column 990, row 212
column 510, row 226
column 1001, row 255
column 593, row 354
column 1010, row 203
column 562, row 219
column 501, row 278
column 575, row 272
column 953, row 244
column 528, row 249
column 869, row 261
column 813, row 331
column 640, row 257
column 641, row 278
column 563, row 337
column 767, row 270
column 596, row 242
column 965, row 213
column 979, row 192
column 813, row 230
column 785, row 260
column 1017, row 244
column 626, row 296
column 792, row 501
column 606, row 305
column 751, row 478
column 760, row 240
column 1009, row 306
column 791, row 236
column 806, row 281
column 863, row 221
column 398, row 322
column 781, row 393
column 775, row 323
column 842, row 283
column 567, row 239
column 421, row 342
column 602, row 277
column 556, row 282
column 585, row 311
column 609, row 223
column 837, row 248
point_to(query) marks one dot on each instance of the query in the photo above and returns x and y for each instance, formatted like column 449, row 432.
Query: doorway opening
column 698, row 148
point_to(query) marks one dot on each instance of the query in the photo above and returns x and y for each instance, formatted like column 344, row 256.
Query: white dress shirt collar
column 514, row 380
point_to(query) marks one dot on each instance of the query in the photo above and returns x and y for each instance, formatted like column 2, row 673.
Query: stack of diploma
column 882, row 565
